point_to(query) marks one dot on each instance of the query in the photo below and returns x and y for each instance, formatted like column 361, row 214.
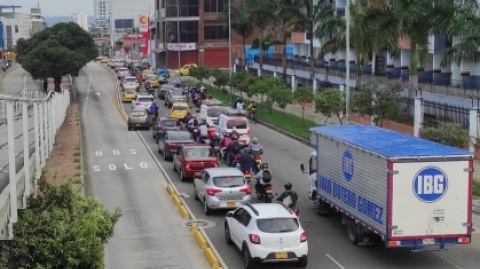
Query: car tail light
column 216, row 164
column 246, row 190
column 296, row 212
column 254, row 238
column 303, row 237
column 269, row 187
column 147, row 118
column 172, row 146
column 129, row 119
column 248, row 132
column 211, row 192
column 187, row 165
column 138, row 103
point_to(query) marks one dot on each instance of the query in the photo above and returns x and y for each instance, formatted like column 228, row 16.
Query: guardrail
column 49, row 112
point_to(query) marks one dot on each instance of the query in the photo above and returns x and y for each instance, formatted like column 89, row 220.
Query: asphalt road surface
column 328, row 244
column 122, row 173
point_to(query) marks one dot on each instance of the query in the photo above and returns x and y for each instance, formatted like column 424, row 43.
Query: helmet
column 233, row 136
column 246, row 150
column 288, row 186
column 224, row 133
column 215, row 136
column 255, row 140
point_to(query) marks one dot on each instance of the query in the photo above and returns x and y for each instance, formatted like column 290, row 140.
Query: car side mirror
column 230, row 215
column 302, row 168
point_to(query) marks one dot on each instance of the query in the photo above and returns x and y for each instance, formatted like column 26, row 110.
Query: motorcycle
column 257, row 166
column 148, row 88
column 263, row 187
column 234, row 160
column 247, row 176
column 216, row 149
column 194, row 131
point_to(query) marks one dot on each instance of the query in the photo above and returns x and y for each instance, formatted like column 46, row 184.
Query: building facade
column 37, row 20
column 102, row 9
column 81, row 19
column 465, row 75
column 16, row 25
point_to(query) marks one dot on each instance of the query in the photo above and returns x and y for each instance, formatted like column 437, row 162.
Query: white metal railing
column 48, row 116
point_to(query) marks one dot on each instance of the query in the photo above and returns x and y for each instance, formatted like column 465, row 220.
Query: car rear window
column 198, row 153
column 137, row 113
column 153, row 77
column 169, row 123
column 215, row 112
column 123, row 69
column 278, row 225
column 131, row 80
column 180, row 108
column 239, row 124
column 180, row 136
column 226, row 182
column 130, row 90
column 147, row 99
column 177, row 93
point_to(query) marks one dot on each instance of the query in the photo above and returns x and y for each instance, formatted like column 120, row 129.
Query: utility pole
column 347, row 71
column 178, row 32
column 230, row 69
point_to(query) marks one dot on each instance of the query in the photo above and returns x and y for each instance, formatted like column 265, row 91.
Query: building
column 16, row 25
column 81, row 19
column 193, row 34
column 103, row 8
column 466, row 74
column 38, row 24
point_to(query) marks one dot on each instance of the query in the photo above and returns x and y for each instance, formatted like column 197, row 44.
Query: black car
column 173, row 140
column 162, row 125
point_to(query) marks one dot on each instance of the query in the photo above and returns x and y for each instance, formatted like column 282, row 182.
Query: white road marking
column 335, row 261
column 86, row 98
column 448, row 261
column 113, row 167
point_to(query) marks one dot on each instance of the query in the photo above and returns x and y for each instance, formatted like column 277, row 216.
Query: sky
column 53, row 8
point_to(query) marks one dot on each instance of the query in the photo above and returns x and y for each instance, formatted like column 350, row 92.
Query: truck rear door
column 430, row 200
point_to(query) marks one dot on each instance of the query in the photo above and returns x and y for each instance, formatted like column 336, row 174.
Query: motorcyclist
column 203, row 130
column 187, row 117
column 225, row 143
column 236, row 102
column 288, row 197
column 234, row 132
column 245, row 161
column 193, row 122
column 255, row 148
column 215, row 141
column 202, row 89
column 233, row 148
column 253, row 110
column 153, row 109
column 240, row 107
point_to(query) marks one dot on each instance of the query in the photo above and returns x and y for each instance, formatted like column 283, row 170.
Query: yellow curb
column 183, row 211
column 194, row 229
column 176, row 200
column 170, row 190
column 211, row 258
column 202, row 243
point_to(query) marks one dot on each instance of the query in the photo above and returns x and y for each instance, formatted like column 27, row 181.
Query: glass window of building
column 216, row 32
column 188, row 32
column 215, row 6
column 181, row 8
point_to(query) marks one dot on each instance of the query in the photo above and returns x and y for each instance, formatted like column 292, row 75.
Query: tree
column 280, row 95
column 330, row 101
column 303, row 95
column 382, row 102
column 60, row 228
column 263, row 85
column 451, row 134
column 220, row 76
column 240, row 22
column 199, row 73
column 260, row 14
column 264, row 42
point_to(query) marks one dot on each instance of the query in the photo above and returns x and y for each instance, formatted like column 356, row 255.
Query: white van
column 210, row 114
column 226, row 123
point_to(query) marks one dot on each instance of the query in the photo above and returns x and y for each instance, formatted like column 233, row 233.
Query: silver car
column 143, row 101
column 221, row 188
column 175, row 95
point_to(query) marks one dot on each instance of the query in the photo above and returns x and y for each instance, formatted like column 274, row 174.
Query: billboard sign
column 181, row 46
column 122, row 24
column 143, row 25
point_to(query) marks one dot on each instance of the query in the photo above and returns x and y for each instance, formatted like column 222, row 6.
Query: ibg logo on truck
column 430, row 184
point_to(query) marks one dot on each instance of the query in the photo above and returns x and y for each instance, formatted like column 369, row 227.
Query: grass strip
column 282, row 120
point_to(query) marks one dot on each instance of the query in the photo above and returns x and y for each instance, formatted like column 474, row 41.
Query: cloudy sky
column 54, row 7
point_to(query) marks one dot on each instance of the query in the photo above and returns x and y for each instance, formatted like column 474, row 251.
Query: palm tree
column 265, row 41
column 240, row 22
column 413, row 19
column 259, row 13
column 311, row 16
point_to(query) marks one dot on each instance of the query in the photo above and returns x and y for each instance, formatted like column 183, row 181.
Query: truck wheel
column 322, row 208
column 352, row 232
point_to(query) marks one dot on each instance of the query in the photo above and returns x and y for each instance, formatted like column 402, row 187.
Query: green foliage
column 199, row 73
column 451, row 134
column 264, row 85
column 330, row 101
column 303, row 95
column 60, row 228
column 381, row 101
column 241, row 81
column 221, row 77
column 264, row 42
column 476, row 187
column 280, row 95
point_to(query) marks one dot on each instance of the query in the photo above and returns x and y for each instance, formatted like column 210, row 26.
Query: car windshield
column 215, row 112
column 123, row 69
column 145, row 99
column 226, row 182
column 137, row 113
column 130, row 80
column 152, row 77
column 180, row 108
column 278, row 225
column 169, row 123
column 198, row 153
column 180, row 136
column 239, row 124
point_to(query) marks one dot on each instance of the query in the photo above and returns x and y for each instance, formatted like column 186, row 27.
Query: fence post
column 473, row 128
column 47, row 134
column 293, row 82
column 36, row 128
column 12, row 171
column 274, row 73
column 26, row 154
column 234, row 68
column 42, row 134
column 259, row 72
column 52, row 121
column 418, row 119
column 374, row 102
column 342, row 90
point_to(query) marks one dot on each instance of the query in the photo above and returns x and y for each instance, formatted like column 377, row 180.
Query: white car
column 123, row 72
column 267, row 233
column 130, row 82
column 143, row 101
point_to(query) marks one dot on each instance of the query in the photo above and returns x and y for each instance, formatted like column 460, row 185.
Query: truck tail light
column 246, row 190
column 464, row 240
column 212, row 192
column 172, row 146
column 254, row 238
column 394, row 243
column 303, row 237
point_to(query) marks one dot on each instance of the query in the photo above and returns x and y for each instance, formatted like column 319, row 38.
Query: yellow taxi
column 104, row 60
column 185, row 70
column 179, row 110
column 129, row 94
column 146, row 73
column 154, row 81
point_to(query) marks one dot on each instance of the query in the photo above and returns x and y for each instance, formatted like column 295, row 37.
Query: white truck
column 391, row 187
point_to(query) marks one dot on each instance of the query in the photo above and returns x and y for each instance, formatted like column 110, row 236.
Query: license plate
column 231, row 204
column 281, row 255
column 428, row 241
column 138, row 125
column 269, row 191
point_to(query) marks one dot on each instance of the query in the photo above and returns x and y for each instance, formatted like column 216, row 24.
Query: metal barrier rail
column 48, row 116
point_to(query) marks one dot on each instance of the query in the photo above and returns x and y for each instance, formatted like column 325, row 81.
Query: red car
column 190, row 160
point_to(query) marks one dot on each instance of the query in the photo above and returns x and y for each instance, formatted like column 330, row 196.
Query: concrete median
column 176, row 200
column 170, row 190
column 202, row 243
column 211, row 258
column 183, row 212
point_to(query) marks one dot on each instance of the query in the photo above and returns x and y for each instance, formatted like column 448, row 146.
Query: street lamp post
column 178, row 32
column 347, row 71
column 230, row 37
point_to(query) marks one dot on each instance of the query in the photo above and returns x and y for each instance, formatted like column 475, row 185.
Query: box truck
column 406, row 191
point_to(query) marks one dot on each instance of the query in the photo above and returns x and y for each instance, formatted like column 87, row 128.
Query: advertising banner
column 144, row 29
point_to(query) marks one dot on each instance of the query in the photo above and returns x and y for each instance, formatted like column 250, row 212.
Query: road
column 328, row 244
column 122, row 173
